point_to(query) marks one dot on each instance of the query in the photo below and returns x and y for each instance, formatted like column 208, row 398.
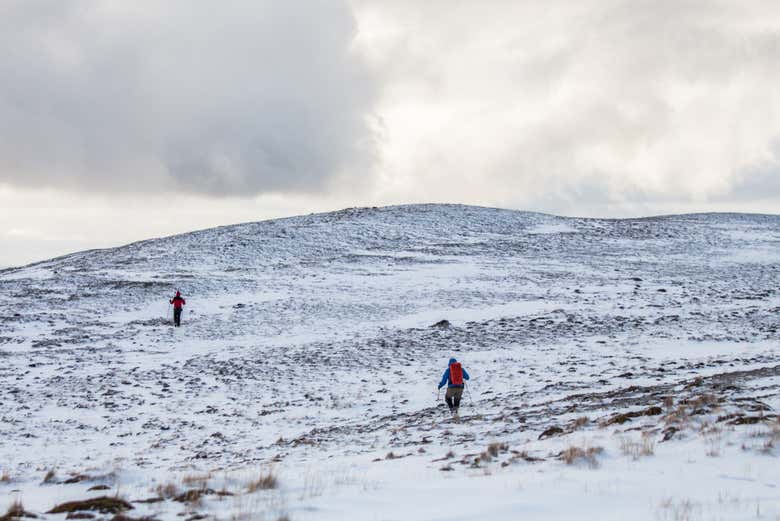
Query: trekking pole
column 438, row 395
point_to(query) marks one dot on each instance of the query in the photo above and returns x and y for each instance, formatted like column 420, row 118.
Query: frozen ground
column 621, row 369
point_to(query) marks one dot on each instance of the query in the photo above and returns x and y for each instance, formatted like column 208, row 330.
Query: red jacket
column 178, row 302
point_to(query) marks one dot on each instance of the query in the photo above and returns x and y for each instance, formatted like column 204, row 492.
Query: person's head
column 178, row 293
column 452, row 361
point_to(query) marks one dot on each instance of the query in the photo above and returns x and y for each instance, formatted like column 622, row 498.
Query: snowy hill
column 620, row 369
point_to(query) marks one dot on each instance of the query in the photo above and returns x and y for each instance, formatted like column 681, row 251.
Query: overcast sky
column 127, row 120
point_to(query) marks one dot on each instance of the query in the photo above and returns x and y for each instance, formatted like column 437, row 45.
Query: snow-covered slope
column 307, row 345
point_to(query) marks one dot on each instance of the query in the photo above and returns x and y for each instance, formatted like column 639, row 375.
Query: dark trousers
column 453, row 397
column 177, row 317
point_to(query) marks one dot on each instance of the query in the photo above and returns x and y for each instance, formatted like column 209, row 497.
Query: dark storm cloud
column 238, row 97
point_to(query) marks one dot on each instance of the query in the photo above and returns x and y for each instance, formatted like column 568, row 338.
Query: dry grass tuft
column 50, row 477
column 192, row 496
column 770, row 439
column 523, row 455
column 266, row 481
column 637, row 448
column 167, row 490
column 196, row 479
column 681, row 510
column 574, row 454
column 704, row 400
column 580, row 422
column 679, row 417
column 16, row 511
column 495, row 448
column 5, row 477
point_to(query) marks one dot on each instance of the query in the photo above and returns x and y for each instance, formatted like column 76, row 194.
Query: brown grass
column 623, row 417
column 16, row 511
column 682, row 510
column 167, row 491
column 637, row 448
column 196, row 479
column 714, row 441
column 574, row 454
column 704, row 400
column 679, row 416
column 769, row 436
column 768, row 447
column 103, row 504
column 265, row 481
column 580, row 422
column 192, row 496
column 50, row 476
column 495, row 448
column 523, row 455
column 5, row 477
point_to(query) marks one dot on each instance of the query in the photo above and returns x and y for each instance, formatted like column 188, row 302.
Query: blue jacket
column 445, row 378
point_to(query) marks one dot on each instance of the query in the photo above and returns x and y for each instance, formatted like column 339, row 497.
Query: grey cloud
column 232, row 98
column 760, row 183
column 656, row 100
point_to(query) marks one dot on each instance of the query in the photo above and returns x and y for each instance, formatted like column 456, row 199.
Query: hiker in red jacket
column 177, row 302
column 454, row 378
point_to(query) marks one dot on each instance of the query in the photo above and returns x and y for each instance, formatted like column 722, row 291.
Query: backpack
column 456, row 374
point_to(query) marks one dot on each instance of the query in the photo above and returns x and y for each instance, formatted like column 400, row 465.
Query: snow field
column 308, row 352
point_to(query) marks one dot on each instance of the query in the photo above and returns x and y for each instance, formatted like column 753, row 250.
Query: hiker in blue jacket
column 454, row 378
